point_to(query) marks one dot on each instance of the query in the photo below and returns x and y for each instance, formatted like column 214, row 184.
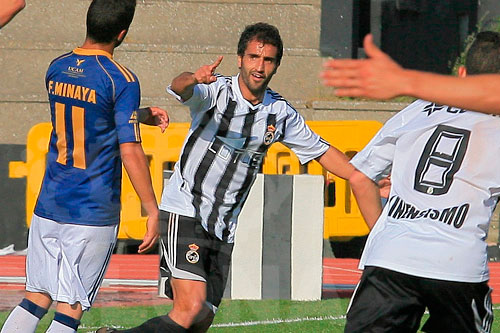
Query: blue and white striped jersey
column 93, row 102
column 445, row 186
column 225, row 148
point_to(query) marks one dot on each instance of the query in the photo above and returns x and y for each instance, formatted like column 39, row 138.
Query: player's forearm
column 183, row 85
column 474, row 92
column 336, row 163
column 8, row 9
column 136, row 165
column 367, row 196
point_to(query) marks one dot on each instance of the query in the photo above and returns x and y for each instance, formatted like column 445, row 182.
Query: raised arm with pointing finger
column 380, row 77
column 184, row 83
column 235, row 119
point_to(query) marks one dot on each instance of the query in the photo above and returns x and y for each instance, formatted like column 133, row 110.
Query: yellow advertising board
column 342, row 216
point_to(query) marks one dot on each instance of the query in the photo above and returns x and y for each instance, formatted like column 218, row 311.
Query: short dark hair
column 483, row 56
column 107, row 18
column 263, row 32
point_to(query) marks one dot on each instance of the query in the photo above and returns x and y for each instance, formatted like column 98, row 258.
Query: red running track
column 121, row 266
column 341, row 272
column 339, row 275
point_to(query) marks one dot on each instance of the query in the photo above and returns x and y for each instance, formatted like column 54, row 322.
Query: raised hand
column 377, row 77
column 184, row 83
column 205, row 74
column 160, row 117
column 384, row 186
column 154, row 116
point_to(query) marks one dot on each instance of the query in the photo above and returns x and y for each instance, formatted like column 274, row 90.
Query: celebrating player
column 381, row 78
column 94, row 104
column 427, row 248
column 9, row 9
column 235, row 121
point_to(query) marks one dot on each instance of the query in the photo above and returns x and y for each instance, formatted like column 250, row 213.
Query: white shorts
column 68, row 261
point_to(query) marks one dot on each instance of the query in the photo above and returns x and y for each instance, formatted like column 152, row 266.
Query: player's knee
column 191, row 306
column 196, row 306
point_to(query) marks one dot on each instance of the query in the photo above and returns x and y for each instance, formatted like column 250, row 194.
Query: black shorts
column 388, row 301
column 189, row 252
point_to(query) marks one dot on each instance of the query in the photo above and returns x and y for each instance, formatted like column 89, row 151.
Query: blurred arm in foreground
column 9, row 9
column 380, row 77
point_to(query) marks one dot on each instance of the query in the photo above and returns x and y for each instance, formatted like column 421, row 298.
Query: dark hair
column 484, row 54
column 107, row 18
column 263, row 32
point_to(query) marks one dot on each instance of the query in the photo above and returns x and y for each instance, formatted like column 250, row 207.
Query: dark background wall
column 12, row 199
column 489, row 12
column 419, row 34
column 426, row 35
column 343, row 25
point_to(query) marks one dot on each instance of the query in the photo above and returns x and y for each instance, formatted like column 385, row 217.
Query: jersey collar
column 91, row 52
column 238, row 92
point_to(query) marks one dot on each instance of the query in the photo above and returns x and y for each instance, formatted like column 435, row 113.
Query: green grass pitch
column 265, row 316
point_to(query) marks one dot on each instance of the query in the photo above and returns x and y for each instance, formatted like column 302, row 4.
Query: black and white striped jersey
column 445, row 186
column 225, row 148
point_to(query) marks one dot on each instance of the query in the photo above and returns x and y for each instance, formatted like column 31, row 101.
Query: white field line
column 264, row 322
column 247, row 323
column 278, row 321
column 294, row 320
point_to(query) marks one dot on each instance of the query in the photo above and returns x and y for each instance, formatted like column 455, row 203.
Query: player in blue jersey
column 94, row 103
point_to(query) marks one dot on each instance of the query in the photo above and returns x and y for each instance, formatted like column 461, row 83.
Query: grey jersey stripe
column 200, row 175
column 228, row 175
column 251, row 174
column 194, row 136
column 209, row 158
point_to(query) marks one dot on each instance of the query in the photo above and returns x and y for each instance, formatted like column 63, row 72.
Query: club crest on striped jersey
column 192, row 255
column 269, row 136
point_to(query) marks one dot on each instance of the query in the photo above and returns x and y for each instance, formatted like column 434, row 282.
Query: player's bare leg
column 67, row 318
column 189, row 300
column 26, row 316
column 66, row 315
column 40, row 299
column 72, row 310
